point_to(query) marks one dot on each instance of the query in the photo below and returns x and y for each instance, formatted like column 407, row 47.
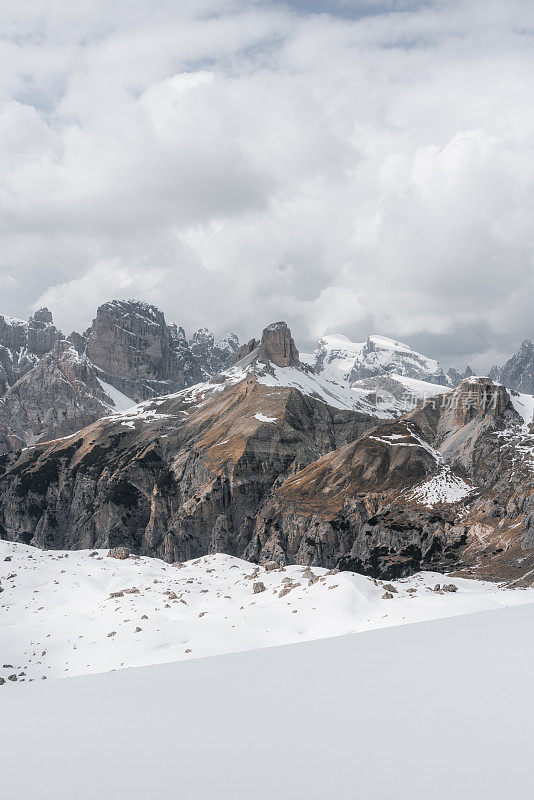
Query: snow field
column 60, row 618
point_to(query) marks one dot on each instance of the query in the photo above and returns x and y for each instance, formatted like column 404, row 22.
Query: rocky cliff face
column 51, row 385
column 131, row 345
column 22, row 344
column 60, row 395
column 518, row 372
column 245, row 350
column 448, row 486
column 454, row 376
column 248, row 466
column 177, row 478
column 277, row 346
column 142, row 356
column 211, row 356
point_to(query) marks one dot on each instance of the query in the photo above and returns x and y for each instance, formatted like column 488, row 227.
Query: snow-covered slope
column 438, row 710
column 340, row 359
column 404, row 378
column 118, row 400
column 336, row 394
column 443, row 487
column 334, row 357
column 79, row 612
column 524, row 405
column 328, row 391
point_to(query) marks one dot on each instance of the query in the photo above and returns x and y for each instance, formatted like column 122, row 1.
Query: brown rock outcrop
column 244, row 351
column 188, row 481
column 277, row 346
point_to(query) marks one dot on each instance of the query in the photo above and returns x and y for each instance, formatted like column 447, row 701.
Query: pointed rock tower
column 278, row 347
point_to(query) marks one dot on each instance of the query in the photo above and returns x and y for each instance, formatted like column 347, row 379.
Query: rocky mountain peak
column 211, row 356
column 518, row 372
column 203, row 336
column 229, row 344
column 244, row 351
column 13, row 333
column 130, row 340
column 22, row 344
column 474, row 397
column 42, row 334
column 201, row 344
column 381, row 356
column 340, row 359
column 278, row 347
column 299, row 474
column 455, row 377
column 42, row 315
column 52, row 385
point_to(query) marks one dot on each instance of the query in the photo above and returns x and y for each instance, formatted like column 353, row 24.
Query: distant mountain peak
column 339, row 358
column 518, row 372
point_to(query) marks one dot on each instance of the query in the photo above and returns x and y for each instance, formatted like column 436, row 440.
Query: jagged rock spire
column 277, row 346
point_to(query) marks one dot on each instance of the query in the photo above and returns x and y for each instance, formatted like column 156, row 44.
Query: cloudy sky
column 355, row 167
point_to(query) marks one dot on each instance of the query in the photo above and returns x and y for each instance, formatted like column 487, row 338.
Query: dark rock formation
column 454, row 377
column 42, row 334
column 60, row 395
column 272, row 475
column 356, row 507
column 188, row 480
column 142, row 356
column 244, row 351
column 257, row 469
column 518, row 372
column 211, row 356
column 22, row 344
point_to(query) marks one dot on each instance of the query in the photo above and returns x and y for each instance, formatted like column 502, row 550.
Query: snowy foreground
column 59, row 617
column 438, row 710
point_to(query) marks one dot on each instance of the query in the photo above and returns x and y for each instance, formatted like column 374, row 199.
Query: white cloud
column 236, row 162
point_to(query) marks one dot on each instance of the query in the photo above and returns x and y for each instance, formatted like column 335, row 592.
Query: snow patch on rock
column 263, row 418
column 445, row 487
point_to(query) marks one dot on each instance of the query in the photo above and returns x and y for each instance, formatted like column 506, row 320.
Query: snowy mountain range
column 282, row 499
column 52, row 384
column 345, row 361
column 269, row 461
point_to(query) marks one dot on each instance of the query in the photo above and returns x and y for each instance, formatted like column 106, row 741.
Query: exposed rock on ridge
column 50, row 386
column 277, row 346
column 130, row 343
column 142, row 356
column 60, row 395
column 22, row 344
column 181, row 477
column 518, row 372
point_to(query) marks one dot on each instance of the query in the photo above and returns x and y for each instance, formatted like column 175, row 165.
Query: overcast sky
column 353, row 167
